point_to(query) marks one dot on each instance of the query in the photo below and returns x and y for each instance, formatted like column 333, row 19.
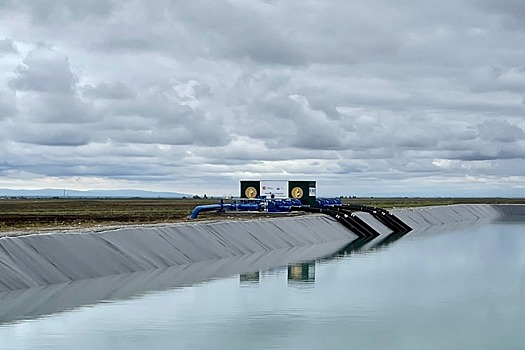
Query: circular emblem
column 297, row 192
column 250, row 192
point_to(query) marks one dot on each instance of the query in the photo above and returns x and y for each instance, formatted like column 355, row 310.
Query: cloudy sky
column 369, row 98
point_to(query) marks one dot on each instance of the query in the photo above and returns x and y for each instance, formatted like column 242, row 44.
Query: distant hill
column 54, row 192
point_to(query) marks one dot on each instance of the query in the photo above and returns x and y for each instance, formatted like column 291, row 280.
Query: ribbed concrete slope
column 420, row 218
column 38, row 260
column 33, row 302
column 426, row 217
column 374, row 223
column 511, row 209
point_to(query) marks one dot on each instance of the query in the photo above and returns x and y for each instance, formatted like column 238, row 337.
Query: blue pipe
column 207, row 207
column 248, row 207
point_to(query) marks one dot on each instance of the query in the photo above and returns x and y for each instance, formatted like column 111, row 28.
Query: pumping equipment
column 254, row 205
column 279, row 196
column 343, row 213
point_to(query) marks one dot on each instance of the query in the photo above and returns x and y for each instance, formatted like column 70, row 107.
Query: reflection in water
column 304, row 271
column 354, row 246
column 301, row 272
column 249, row 278
column 363, row 244
column 385, row 242
column 297, row 273
column 40, row 301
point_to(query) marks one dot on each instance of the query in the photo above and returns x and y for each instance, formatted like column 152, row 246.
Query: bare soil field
column 30, row 214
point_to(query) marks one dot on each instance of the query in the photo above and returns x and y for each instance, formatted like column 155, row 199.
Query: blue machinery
column 251, row 205
column 343, row 213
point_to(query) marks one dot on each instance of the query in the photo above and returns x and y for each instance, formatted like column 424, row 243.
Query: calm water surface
column 461, row 289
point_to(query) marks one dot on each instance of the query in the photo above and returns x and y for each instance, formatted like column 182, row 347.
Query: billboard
column 305, row 191
column 277, row 188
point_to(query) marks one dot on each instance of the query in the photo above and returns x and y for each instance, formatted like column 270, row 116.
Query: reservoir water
column 453, row 288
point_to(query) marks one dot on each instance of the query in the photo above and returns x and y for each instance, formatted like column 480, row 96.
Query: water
column 461, row 289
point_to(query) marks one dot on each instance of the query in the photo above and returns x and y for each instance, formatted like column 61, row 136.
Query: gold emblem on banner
column 250, row 192
column 297, row 192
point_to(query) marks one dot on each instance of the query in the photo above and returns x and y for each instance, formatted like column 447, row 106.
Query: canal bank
column 421, row 219
column 44, row 259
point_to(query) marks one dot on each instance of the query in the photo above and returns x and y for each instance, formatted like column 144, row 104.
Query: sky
column 368, row 98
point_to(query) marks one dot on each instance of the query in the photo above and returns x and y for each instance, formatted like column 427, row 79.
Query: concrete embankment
column 44, row 259
column 38, row 301
column 432, row 217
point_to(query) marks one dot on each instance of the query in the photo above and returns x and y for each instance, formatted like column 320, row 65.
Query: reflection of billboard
column 301, row 272
column 249, row 278
column 278, row 188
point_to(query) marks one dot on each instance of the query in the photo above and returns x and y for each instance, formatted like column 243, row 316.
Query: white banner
column 277, row 188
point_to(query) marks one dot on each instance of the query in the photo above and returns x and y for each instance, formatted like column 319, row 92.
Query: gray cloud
column 313, row 129
column 500, row 131
column 44, row 71
column 115, row 91
column 52, row 109
column 60, row 135
column 371, row 97
column 7, row 105
column 7, row 46
column 52, row 12
column 490, row 79
column 513, row 10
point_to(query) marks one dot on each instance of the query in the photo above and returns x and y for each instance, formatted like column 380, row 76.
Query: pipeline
column 391, row 221
column 250, row 205
column 222, row 207
column 350, row 221
column 343, row 213
column 209, row 207
column 382, row 215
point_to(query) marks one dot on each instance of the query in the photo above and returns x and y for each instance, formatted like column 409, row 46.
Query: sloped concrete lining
column 39, row 301
column 511, row 209
column 373, row 223
column 43, row 259
column 426, row 217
